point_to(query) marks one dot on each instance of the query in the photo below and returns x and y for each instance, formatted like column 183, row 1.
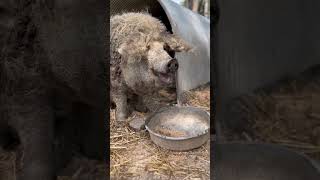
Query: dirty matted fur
column 141, row 49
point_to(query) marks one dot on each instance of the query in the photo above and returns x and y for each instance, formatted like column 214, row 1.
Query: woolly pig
column 142, row 59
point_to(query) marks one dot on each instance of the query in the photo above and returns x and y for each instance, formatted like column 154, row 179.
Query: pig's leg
column 34, row 125
column 121, row 107
column 138, row 104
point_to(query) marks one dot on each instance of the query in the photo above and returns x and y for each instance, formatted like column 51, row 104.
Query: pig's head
column 151, row 59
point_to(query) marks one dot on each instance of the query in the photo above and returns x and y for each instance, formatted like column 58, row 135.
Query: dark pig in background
column 53, row 82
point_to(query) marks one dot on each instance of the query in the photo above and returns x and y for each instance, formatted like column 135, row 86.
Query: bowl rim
column 175, row 138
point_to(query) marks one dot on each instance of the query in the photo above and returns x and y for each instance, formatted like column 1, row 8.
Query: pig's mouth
column 166, row 78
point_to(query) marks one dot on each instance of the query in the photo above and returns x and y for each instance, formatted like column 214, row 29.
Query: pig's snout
column 172, row 65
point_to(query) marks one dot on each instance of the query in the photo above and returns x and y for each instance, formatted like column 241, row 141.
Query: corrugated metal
column 194, row 67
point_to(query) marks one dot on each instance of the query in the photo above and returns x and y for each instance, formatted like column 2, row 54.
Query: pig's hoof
column 121, row 118
column 137, row 124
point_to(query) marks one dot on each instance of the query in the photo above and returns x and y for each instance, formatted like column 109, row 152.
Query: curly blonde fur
column 138, row 43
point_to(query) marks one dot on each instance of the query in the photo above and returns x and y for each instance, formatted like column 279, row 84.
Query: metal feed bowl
column 185, row 128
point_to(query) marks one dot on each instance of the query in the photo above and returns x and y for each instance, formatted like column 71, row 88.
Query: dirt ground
column 135, row 156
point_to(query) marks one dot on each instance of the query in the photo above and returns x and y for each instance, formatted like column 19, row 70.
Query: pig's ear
column 127, row 47
column 177, row 44
column 132, row 47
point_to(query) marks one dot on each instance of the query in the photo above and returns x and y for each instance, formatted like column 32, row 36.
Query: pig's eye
column 167, row 48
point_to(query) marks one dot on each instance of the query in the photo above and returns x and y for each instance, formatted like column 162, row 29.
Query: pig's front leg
column 121, row 107
column 138, row 103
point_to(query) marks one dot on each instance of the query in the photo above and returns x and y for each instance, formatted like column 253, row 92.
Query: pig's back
column 125, row 26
